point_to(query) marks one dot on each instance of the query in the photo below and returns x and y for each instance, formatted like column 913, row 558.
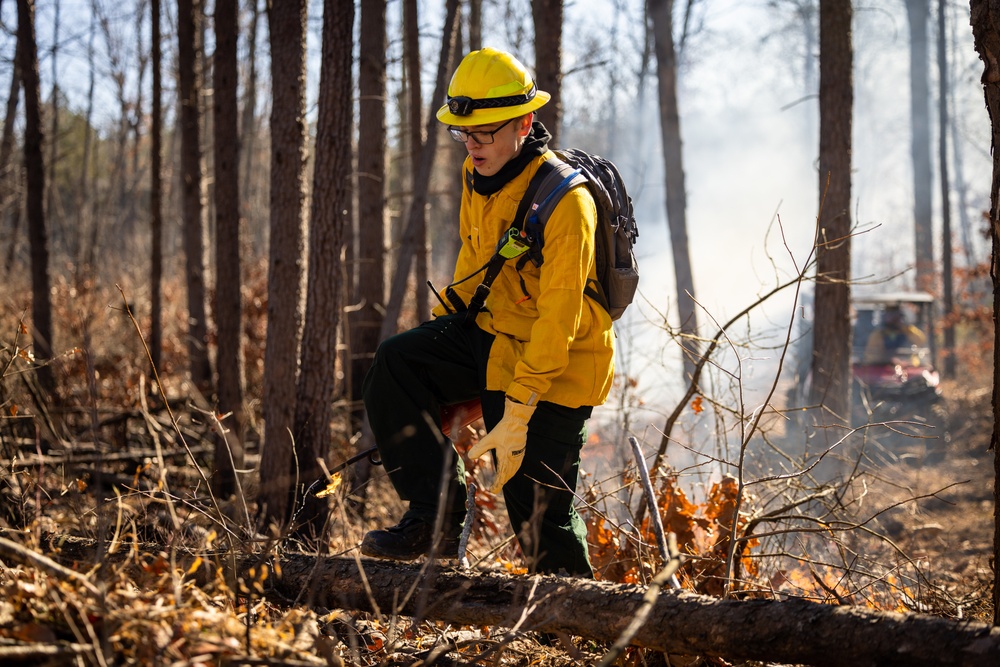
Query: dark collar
column 536, row 143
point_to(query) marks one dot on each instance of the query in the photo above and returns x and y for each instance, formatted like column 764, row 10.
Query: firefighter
column 893, row 334
column 538, row 354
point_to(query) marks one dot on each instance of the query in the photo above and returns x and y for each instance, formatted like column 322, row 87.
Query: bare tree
column 918, row 13
column 366, row 319
column 53, row 211
column 475, row 25
column 328, row 222
column 34, row 163
column 408, row 244
column 87, row 226
column 228, row 304
column 446, row 249
column 985, row 19
column 832, row 328
column 156, row 194
column 660, row 12
column 188, row 40
column 287, row 20
column 947, row 279
column 8, row 181
column 415, row 107
column 249, row 129
column 548, row 20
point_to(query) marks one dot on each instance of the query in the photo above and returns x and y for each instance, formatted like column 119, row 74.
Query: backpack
column 616, row 233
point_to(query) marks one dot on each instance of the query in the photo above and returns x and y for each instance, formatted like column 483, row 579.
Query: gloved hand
column 508, row 438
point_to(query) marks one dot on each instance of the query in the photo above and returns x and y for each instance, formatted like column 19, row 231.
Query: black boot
column 409, row 539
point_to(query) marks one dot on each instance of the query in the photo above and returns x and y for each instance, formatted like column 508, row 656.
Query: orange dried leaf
column 696, row 405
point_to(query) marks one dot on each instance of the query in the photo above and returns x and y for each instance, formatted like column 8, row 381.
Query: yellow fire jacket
column 557, row 344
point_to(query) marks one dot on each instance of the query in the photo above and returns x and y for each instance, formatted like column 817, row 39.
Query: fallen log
column 680, row 622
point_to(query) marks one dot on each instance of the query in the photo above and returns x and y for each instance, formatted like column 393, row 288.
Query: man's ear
column 524, row 126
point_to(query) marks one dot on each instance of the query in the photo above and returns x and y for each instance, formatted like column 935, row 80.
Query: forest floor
column 952, row 529
column 155, row 611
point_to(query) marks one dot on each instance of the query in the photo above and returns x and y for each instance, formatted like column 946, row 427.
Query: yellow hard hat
column 490, row 86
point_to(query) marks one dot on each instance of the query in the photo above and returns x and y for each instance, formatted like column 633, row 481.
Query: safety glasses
column 479, row 136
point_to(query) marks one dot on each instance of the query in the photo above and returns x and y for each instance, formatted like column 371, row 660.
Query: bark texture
column 416, row 134
column 287, row 19
column 156, row 193
column 228, row 307
column 370, row 297
column 832, row 328
column 189, row 82
column 985, row 19
column 34, row 166
column 792, row 631
column 548, row 20
column 331, row 204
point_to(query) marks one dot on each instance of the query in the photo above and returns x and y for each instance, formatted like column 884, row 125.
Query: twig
column 26, row 556
column 666, row 555
column 470, row 517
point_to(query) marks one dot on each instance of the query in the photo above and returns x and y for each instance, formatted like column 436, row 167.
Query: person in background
column 539, row 354
column 893, row 334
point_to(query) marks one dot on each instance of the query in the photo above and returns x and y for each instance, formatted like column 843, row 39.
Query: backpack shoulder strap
column 531, row 193
column 552, row 180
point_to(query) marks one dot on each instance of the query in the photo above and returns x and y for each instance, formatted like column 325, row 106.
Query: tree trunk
column 248, row 130
column 917, row 14
column 408, row 242
column 228, row 306
column 53, row 210
column 475, row 25
column 415, row 106
column 985, row 19
column 548, row 20
column 287, row 19
column 156, row 195
column 673, row 165
column 86, row 220
column 9, row 175
column 34, row 163
column 329, row 219
column 366, row 319
column 189, row 85
column 831, row 363
column 446, row 252
column 947, row 279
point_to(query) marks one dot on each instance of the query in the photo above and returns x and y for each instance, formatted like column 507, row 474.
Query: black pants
column 442, row 362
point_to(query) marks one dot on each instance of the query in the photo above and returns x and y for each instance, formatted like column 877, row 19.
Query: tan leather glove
column 508, row 438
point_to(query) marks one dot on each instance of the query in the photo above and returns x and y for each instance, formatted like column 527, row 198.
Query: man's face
column 507, row 142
